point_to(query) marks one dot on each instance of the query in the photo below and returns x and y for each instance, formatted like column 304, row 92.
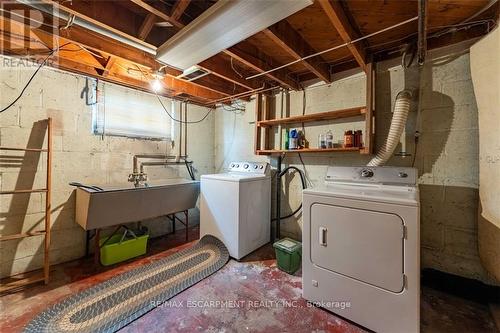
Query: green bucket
column 288, row 254
column 117, row 250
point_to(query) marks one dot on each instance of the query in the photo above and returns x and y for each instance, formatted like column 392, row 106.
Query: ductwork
column 399, row 117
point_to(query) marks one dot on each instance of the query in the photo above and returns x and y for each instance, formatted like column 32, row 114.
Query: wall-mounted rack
column 264, row 124
column 29, row 278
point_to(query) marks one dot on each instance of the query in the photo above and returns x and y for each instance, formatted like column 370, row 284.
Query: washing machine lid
column 235, row 177
column 403, row 195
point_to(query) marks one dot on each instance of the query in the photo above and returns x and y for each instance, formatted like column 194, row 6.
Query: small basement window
column 130, row 113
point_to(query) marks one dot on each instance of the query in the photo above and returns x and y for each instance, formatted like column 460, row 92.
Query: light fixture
column 156, row 84
column 223, row 25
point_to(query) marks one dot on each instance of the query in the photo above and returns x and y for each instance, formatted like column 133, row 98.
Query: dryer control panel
column 261, row 168
column 375, row 175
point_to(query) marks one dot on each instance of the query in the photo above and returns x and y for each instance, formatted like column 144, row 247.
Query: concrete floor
column 252, row 288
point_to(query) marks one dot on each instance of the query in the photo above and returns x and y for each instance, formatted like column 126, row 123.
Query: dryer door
column 359, row 244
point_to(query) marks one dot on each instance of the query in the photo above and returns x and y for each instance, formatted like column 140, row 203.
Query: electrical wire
column 52, row 52
column 234, row 69
column 182, row 121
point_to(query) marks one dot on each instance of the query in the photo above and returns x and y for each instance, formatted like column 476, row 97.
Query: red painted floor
column 247, row 296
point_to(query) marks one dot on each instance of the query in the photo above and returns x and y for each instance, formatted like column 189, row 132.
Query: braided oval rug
column 113, row 304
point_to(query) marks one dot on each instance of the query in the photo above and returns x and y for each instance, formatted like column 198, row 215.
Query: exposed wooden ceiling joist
column 284, row 35
column 222, row 68
column 260, row 65
column 249, row 60
column 105, row 47
column 333, row 9
column 158, row 13
column 299, row 35
column 146, row 26
column 179, row 8
column 99, row 43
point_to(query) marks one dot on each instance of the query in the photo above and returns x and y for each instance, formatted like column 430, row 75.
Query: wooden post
column 370, row 109
column 258, row 115
column 266, row 110
column 48, row 208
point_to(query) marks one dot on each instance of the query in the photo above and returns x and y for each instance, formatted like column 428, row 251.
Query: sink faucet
column 138, row 175
column 137, row 178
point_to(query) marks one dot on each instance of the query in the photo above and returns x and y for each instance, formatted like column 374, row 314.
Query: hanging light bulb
column 156, row 84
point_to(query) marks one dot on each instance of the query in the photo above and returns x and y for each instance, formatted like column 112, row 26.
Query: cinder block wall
column 447, row 154
column 78, row 156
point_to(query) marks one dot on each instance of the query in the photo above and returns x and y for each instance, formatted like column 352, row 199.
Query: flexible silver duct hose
column 401, row 109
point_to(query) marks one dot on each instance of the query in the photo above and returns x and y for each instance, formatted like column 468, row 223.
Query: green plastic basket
column 115, row 251
column 288, row 254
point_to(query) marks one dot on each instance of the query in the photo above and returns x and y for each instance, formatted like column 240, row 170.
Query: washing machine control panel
column 378, row 175
column 249, row 167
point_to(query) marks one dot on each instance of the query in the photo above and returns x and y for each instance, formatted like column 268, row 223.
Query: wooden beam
column 86, row 16
column 146, row 26
column 257, row 130
column 73, row 64
column 107, row 64
column 333, row 9
column 261, row 65
column 179, row 8
column 222, row 68
column 158, row 13
column 284, row 35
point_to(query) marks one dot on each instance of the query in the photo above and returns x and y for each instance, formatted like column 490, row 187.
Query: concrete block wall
column 447, row 154
column 78, row 156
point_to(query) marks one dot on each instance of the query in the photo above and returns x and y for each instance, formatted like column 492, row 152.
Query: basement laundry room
column 250, row 166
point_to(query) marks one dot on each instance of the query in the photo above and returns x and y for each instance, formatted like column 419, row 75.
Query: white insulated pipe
column 398, row 122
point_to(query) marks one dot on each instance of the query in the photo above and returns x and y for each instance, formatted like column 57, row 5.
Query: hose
column 89, row 187
column 303, row 181
column 399, row 117
column 189, row 168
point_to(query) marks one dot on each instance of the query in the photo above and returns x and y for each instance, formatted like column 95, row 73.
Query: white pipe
column 399, row 117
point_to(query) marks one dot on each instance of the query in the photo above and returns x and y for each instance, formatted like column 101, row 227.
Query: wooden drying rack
column 30, row 278
column 263, row 122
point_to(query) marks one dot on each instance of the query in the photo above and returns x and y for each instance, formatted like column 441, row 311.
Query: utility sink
column 124, row 203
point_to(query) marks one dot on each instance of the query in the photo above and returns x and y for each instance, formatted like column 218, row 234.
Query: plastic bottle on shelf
column 329, row 139
column 286, row 139
column 293, row 139
column 322, row 141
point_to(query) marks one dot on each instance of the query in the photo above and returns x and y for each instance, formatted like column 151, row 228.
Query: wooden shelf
column 307, row 150
column 321, row 116
column 264, row 124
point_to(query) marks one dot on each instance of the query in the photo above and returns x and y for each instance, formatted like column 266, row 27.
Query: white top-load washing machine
column 361, row 253
column 236, row 207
